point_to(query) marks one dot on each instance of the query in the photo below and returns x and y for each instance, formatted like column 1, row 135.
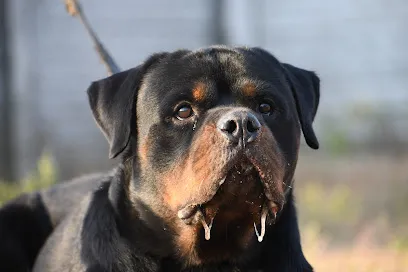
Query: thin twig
column 75, row 10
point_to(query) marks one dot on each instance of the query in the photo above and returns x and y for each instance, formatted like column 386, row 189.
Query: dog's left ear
column 306, row 91
column 113, row 104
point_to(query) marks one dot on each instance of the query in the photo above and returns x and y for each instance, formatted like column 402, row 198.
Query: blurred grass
column 352, row 212
column 361, row 250
column 43, row 176
column 357, row 256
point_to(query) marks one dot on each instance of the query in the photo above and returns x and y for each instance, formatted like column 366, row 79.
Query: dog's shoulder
column 91, row 235
column 62, row 197
column 27, row 220
column 68, row 234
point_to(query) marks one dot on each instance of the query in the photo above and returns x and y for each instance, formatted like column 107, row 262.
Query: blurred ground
column 353, row 212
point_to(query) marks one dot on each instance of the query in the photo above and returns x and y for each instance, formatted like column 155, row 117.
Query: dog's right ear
column 113, row 104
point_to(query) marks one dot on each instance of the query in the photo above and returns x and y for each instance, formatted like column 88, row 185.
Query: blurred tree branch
column 74, row 9
column 7, row 161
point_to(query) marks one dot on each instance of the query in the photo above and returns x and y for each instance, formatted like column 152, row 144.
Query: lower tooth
column 263, row 223
column 222, row 181
column 207, row 228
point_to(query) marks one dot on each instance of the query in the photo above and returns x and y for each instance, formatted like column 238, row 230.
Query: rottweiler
column 208, row 142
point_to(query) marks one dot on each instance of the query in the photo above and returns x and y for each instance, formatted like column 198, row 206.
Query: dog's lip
column 266, row 186
column 188, row 212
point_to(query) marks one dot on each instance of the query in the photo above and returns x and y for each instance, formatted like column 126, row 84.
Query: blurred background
column 352, row 194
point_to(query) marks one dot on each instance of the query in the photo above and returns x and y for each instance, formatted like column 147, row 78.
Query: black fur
column 24, row 226
column 27, row 221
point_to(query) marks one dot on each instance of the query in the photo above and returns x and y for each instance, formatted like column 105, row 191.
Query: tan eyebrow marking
column 249, row 89
column 199, row 92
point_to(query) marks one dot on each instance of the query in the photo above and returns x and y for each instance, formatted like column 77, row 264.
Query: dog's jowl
column 208, row 142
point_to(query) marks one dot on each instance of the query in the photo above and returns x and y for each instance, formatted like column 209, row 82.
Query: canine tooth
column 222, row 181
column 207, row 228
column 263, row 223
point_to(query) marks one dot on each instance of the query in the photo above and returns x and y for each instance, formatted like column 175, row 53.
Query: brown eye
column 184, row 112
column 265, row 108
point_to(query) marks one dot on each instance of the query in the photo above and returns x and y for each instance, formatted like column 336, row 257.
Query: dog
column 208, row 142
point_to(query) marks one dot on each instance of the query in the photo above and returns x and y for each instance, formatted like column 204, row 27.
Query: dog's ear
column 113, row 104
column 305, row 87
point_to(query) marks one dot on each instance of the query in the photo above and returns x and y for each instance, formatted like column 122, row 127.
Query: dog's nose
column 237, row 125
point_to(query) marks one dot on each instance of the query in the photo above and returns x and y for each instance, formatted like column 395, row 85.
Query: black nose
column 240, row 124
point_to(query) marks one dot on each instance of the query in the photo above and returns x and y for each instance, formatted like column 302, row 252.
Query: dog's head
column 216, row 135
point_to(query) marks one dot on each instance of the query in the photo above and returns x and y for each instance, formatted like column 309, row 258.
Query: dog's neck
column 135, row 219
column 139, row 220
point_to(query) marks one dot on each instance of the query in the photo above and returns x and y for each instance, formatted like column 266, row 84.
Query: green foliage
column 43, row 176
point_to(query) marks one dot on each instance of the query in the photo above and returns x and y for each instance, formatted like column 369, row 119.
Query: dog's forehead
column 234, row 67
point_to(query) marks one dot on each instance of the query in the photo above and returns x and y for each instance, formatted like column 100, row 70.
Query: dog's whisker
column 289, row 186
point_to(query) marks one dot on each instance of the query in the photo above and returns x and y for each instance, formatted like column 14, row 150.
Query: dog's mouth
column 243, row 194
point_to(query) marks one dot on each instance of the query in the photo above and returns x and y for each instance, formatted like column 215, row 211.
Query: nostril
column 253, row 125
column 251, row 128
column 230, row 127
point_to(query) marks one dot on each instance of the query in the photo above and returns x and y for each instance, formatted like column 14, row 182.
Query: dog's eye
column 184, row 112
column 265, row 108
